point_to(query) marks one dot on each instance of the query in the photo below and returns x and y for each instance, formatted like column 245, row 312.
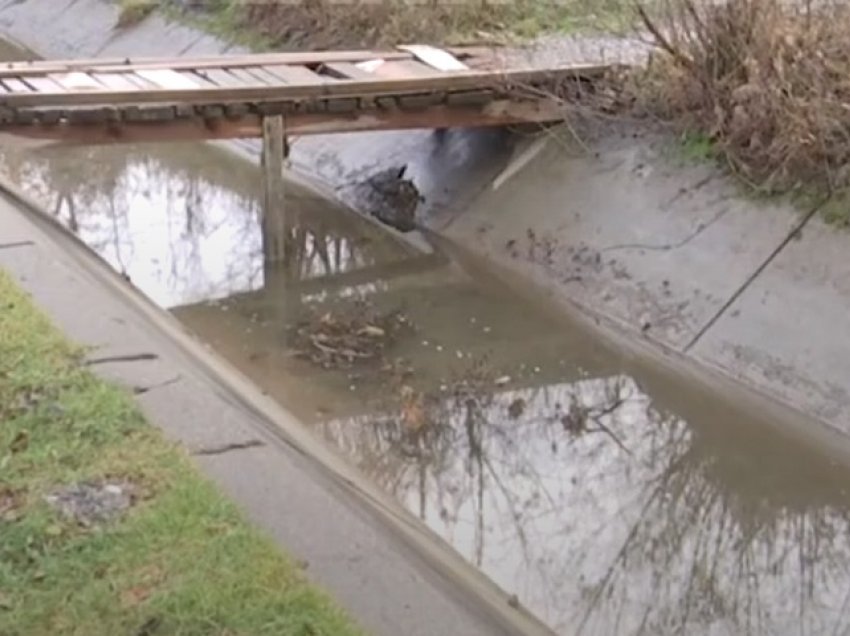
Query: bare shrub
column 767, row 80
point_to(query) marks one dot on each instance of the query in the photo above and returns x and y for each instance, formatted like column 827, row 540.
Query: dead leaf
column 5, row 601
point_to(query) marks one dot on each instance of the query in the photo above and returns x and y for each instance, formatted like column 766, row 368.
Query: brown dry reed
column 767, row 81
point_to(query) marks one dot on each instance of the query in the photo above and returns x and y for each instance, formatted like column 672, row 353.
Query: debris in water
column 335, row 340
column 516, row 409
column 502, row 381
column 391, row 198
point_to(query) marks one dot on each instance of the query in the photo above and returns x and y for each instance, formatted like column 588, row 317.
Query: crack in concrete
column 13, row 244
column 227, row 448
column 141, row 390
column 134, row 357
column 702, row 227
column 792, row 235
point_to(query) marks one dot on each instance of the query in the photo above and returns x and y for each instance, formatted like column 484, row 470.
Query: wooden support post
column 274, row 197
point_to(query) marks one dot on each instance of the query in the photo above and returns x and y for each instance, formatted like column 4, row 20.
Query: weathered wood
column 274, row 199
column 327, row 88
column 43, row 83
column 495, row 113
column 346, row 70
column 248, row 78
column 296, row 75
column 15, row 85
column 106, row 65
column 116, row 81
column 219, row 77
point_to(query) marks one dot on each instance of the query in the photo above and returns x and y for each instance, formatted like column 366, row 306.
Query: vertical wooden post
column 274, row 197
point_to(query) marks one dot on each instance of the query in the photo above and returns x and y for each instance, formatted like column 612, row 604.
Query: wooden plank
column 15, row 85
column 274, row 197
column 116, row 81
column 76, row 81
column 42, row 83
column 495, row 113
column 250, row 79
column 167, row 78
column 438, row 59
column 445, row 82
column 198, row 79
column 295, row 74
column 346, row 70
column 105, row 65
column 404, row 69
column 262, row 74
column 219, row 77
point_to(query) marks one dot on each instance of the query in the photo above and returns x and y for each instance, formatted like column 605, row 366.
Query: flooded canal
column 609, row 498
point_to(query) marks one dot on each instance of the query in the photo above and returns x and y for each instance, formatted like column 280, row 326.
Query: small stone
column 513, row 601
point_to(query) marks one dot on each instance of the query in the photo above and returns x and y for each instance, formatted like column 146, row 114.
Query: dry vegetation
column 766, row 81
column 358, row 23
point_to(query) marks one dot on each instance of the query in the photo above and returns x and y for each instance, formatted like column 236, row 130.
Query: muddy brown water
column 609, row 498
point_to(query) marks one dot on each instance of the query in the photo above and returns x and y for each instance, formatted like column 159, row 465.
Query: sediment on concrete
column 673, row 254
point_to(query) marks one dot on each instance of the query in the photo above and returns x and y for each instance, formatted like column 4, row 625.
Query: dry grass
column 321, row 24
column 767, row 81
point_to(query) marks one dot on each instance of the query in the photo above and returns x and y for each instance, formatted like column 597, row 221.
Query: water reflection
column 599, row 506
column 607, row 516
column 182, row 221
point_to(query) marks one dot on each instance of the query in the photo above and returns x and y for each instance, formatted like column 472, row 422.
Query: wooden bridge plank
column 116, row 81
column 295, row 75
column 167, row 78
column 496, row 113
column 73, row 83
column 43, row 83
column 346, row 70
column 219, row 77
column 247, row 78
column 326, row 88
column 404, row 68
column 15, row 85
column 262, row 74
column 105, row 65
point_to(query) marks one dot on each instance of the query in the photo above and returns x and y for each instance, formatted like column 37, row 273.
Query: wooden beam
column 224, row 61
column 274, row 199
column 495, row 113
column 437, row 81
column 108, row 65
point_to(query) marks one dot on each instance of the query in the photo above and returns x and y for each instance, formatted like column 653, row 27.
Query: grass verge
column 325, row 24
column 179, row 561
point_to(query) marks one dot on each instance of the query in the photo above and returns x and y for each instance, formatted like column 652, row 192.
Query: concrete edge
column 274, row 423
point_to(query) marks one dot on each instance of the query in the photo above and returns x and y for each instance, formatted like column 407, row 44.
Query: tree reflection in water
column 182, row 220
column 606, row 516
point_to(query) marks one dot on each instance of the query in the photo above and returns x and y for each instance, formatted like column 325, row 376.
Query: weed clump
column 767, row 81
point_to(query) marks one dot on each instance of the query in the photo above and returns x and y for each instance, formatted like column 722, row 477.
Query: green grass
column 697, row 147
column 181, row 561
